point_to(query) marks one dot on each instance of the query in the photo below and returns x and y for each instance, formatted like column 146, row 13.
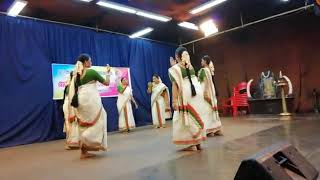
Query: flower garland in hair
column 79, row 68
column 185, row 58
column 211, row 67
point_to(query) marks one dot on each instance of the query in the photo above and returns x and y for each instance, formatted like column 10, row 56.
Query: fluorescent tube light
column 153, row 16
column 117, row 6
column 16, row 7
column 132, row 10
column 206, row 6
column 141, row 33
column 188, row 25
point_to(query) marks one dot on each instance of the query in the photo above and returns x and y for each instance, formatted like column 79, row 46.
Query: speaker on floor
column 278, row 162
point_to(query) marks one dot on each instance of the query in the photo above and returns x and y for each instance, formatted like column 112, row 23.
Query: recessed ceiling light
column 208, row 28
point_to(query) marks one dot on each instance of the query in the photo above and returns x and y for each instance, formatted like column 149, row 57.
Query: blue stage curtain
column 28, row 47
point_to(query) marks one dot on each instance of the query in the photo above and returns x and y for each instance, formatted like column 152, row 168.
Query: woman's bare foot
column 102, row 148
column 126, row 131
column 190, row 148
column 86, row 155
column 66, row 147
column 199, row 148
column 210, row 134
column 218, row 133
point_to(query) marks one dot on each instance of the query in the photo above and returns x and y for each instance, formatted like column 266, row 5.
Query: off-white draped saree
column 126, row 118
column 211, row 115
column 160, row 104
column 188, row 126
column 91, row 115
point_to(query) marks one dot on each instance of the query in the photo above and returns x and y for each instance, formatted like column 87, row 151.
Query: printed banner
column 61, row 72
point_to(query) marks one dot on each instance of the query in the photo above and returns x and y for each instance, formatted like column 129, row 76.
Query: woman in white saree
column 188, row 126
column 89, row 111
column 126, row 118
column 70, row 122
column 160, row 102
column 211, row 118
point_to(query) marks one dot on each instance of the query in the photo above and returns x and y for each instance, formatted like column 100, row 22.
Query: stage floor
column 149, row 154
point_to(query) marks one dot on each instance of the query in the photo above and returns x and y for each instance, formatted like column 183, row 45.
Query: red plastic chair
column 239, row 99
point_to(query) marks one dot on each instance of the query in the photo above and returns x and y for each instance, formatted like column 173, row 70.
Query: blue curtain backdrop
column 28, row 47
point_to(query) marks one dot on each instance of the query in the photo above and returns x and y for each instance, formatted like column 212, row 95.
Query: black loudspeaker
column 278, row 162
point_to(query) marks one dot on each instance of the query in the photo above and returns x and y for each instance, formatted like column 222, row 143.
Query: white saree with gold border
column 188, row 126
column 71, row 127
column 159, row 104
column 211, row 115
column 91, row 116
column 126, row 118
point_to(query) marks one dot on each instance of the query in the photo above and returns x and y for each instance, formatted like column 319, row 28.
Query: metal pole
column 284, row 104
column 193, row 48
column 251, row 23
column 241, row 19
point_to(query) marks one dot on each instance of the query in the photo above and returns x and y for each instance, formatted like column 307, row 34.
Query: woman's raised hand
column 108, row 68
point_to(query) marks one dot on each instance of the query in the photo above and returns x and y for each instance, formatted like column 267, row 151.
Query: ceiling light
column 86, row 0
column 132, row 10
column 188, row 25
column 154, row 16
column 16, row 7
column 141, row 33
column 206, row 6
column 117, row 6
column 208, row 28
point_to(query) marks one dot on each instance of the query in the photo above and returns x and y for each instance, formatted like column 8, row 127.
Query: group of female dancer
column 194, row 102
column 194, row 105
